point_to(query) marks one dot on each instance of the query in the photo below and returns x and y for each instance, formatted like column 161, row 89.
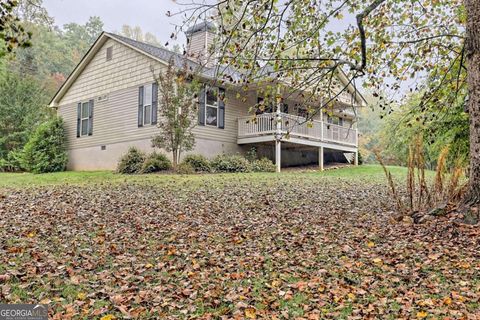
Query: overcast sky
column 148, row 14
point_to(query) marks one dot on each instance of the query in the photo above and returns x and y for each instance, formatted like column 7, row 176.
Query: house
column 108, row 105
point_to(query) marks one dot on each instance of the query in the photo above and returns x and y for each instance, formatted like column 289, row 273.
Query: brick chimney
column 200, row 39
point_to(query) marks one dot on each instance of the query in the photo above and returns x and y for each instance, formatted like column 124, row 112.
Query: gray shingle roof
column 202, row 26
column 179, row 59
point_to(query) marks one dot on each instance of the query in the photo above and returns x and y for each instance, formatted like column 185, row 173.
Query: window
column 147, row 104
column 263, row 107
column 335, row 120
column 109, row 53
column 302, row 112
column 84, row 119
column 211, row 106
column 211, row 109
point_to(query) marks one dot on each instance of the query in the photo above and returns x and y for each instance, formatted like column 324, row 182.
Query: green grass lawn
column 372, row 173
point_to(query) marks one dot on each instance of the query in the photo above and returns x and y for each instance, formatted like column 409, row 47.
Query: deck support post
column 278, row 155
column 278, row 132
column 320, row 158
column 356, row 159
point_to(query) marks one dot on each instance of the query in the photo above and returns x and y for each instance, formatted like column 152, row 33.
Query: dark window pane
column 147, row 115
column 84, row 127
column 212, row 95
column 85, row 110
column 302, row 112
column 147, row 95
column 109, row 53
column 211, row 116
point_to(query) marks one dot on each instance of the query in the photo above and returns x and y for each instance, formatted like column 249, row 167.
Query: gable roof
column 163, row 56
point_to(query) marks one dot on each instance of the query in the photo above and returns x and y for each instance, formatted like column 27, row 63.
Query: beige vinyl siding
column 126, row 69
column 196, row 46
column 234, row 108
column 115, row 119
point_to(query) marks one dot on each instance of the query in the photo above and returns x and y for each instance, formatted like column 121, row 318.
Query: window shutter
column 221, row 108
column 154, row 103
column 90, row 117
column 79, row 116
column 140, row 106
column 201, row 107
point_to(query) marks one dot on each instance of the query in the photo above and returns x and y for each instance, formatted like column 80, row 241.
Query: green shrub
column 46, row 149
column 156, row 162
column 230, row 163
column 251, row 154
column 13, row 162
column 198, row 162
column 185, row 168
column 263, row 165
column 131, row 162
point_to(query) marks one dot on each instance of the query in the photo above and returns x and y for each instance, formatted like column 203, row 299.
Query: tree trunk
column 472, row 54
column 175, row 159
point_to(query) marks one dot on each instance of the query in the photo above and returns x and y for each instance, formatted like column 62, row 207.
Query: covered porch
column 285, row 131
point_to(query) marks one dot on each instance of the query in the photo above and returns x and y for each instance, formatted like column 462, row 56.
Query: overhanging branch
column 363, row 39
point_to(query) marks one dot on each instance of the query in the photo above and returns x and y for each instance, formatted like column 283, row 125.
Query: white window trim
column 211, row 106
column 87, row 118
column 146, row 104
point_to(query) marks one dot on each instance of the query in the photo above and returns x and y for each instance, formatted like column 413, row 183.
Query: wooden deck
column 295, row 129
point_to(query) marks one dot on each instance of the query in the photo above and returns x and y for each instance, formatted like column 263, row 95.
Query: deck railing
column 295, row 126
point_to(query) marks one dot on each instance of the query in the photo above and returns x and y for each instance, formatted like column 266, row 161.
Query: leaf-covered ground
column 294, row 246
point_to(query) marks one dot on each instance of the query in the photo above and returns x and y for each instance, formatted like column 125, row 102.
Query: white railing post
column 321, row 130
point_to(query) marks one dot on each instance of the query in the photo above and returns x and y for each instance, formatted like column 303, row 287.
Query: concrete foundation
column 105, row 157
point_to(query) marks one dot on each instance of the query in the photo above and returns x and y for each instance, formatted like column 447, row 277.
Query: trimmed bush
column 198, row 162
column 156, row 162
column 263, row 165
column 185, row 168
column 46, row 150
column 131, row 162
column 230, row 163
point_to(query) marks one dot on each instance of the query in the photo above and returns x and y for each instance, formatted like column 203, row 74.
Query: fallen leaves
column 250, row 313
column 230, row 247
